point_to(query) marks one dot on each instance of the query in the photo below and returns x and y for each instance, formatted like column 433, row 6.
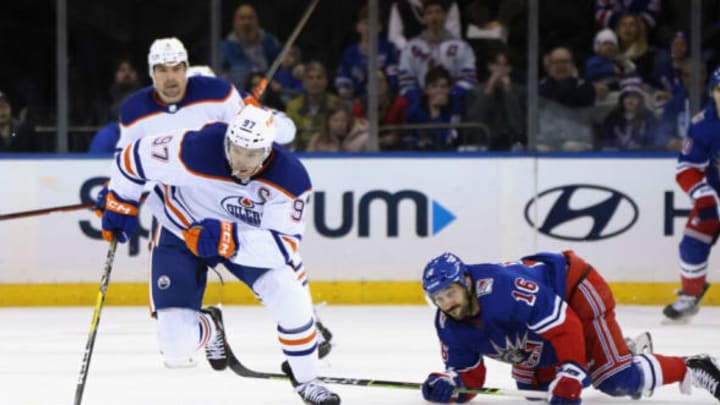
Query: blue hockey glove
column 119, row 218
column 568, row 385
column 211, row 238
column 438, row 387
column 100, row 200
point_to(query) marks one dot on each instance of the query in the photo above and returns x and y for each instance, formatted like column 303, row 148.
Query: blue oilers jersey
column 519, row 305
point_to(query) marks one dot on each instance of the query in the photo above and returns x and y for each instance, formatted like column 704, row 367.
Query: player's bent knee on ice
column 178, row 336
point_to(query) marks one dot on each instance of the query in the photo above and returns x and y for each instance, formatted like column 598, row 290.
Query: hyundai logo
column 582, row 212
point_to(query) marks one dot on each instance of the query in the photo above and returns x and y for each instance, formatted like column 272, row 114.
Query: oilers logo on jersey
column 244, row 209
column 523, row 352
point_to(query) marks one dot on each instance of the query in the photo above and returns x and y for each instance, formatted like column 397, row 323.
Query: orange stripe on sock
column 298, row 342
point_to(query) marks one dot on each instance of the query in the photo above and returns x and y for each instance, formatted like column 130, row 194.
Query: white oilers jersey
column 194, row 183
column 206, row 100
column 419, row 56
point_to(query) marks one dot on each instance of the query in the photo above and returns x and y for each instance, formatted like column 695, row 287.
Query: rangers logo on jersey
column 523, row 352
column 483, row 286
column 244, row 209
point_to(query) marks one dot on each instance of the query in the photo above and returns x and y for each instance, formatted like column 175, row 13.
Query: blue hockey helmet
column 443, row 271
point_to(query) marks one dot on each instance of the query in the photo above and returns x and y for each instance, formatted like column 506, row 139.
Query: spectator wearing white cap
column 607, row 65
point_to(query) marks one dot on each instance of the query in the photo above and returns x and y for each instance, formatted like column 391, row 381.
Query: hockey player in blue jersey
column 224, row 194
column 550, row 315
column 698, row 175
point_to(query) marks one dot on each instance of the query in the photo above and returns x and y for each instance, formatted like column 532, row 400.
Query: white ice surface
column 41, row 351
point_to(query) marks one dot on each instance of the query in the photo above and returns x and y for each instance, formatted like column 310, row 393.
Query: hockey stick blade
column 240, row 369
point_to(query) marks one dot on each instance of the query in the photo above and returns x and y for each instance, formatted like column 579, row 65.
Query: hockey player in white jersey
column 176, row 100
column 435, row 46
column 224, row 194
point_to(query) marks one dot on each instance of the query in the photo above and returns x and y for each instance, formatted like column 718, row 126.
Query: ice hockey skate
column 324, row 344
column 702, row 372
column 641, row 344
column 325, row 336
column 314, row 393
column 684, row 307
column 217, row 350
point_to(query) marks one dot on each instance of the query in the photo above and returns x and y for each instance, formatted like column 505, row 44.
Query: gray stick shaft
column 286, row 48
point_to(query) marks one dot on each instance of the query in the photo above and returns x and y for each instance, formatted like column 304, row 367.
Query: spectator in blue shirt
column 248, row 48
column 351, row 78
column 436, row 106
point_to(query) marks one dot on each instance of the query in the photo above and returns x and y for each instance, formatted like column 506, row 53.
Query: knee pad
column 693, row 251
column 641, row 377
column 179, row 335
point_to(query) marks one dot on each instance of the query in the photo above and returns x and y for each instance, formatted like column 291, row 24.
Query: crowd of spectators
column 614, row 75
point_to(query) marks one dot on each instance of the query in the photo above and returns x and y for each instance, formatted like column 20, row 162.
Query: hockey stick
column 239, row 369
column 63, row 208
column 44, row 211
column 99, row 302
column 259, row 90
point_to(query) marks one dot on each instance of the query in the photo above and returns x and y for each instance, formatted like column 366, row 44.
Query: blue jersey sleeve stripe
column 138, row 162
column 281, row 245
column 160, row 194
column 118, row 163
column 556, row 318
column 178, row 198
column 697, row 165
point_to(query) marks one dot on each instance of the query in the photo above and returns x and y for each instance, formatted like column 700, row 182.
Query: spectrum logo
column 430, row 215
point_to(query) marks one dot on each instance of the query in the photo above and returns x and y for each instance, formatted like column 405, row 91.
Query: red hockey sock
column 693, row 286
column 673, row 368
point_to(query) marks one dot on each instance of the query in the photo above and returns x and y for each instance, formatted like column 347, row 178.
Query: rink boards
column 374, row 221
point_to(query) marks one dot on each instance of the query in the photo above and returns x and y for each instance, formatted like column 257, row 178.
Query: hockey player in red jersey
column 697, row 174
column 550, row 315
